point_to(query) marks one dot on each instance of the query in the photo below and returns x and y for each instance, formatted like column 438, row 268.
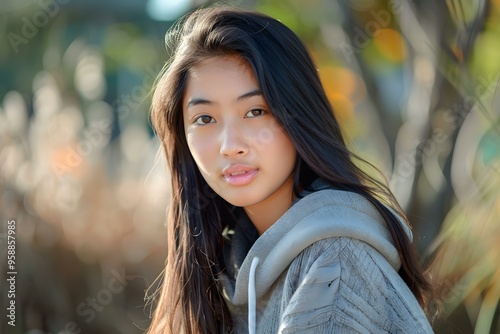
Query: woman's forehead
column 226, row 78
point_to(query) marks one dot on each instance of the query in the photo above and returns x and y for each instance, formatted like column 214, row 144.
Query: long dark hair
column 190, row 296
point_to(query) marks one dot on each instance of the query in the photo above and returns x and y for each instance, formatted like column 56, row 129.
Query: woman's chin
column 240, row 201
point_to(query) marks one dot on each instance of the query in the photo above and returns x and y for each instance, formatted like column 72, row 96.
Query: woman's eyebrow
column 194, row 101
column 255, row 92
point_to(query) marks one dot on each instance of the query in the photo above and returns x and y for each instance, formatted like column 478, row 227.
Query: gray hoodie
column 328, row 265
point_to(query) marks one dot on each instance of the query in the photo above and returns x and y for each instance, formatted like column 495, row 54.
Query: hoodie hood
column 319, row 215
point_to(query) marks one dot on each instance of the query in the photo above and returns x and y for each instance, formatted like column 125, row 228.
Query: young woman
column 271, row 226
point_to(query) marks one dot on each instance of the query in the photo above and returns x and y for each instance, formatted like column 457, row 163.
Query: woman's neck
column 266, row 213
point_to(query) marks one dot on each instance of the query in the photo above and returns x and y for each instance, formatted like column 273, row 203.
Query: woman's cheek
column 203, row 148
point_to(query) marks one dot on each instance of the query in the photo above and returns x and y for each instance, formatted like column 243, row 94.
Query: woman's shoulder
column 350, row 253
column 358, row 264
column 353, row 283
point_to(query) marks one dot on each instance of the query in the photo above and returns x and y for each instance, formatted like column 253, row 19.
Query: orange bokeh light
column 390, row 44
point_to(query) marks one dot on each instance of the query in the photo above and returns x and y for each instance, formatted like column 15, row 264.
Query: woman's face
column 241, row 151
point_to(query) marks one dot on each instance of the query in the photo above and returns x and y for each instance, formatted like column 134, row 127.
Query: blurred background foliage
column 414, row 84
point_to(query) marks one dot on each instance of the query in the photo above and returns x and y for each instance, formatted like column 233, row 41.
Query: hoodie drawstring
column 252, row 300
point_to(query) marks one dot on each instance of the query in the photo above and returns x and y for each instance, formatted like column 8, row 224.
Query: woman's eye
column 255, row 113
column 203, row 120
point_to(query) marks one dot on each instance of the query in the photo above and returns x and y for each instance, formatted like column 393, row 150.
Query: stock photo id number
column 11, row 272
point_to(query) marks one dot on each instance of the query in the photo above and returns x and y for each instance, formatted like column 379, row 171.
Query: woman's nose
column 233, row 141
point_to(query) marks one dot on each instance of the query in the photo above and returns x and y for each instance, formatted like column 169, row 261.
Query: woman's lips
column 239, row 175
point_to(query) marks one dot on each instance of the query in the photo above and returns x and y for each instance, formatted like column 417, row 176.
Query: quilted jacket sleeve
column 342, row 285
